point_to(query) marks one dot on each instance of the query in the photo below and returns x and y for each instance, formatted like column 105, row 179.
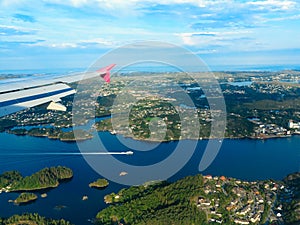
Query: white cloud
column 201, row 39
column 6, row 3
column 134, row 6
column 206, row 51
column 94, row 43
column 273, row 5
column 79, row 2
column 63, row 45
column 111, row 4
column 97, row 41
column 102, row 24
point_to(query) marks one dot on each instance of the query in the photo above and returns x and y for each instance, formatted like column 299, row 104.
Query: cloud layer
column 207, row 27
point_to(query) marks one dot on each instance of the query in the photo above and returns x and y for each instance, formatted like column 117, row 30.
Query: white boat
column 129, row 153
column 113, row 132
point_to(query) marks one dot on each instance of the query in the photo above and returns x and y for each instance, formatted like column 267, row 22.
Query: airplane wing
column 19, row 95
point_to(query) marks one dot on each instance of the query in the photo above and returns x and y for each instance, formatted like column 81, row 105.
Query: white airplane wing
column 16, row 96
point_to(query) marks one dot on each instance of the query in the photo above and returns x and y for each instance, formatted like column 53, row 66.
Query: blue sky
column 74, row 33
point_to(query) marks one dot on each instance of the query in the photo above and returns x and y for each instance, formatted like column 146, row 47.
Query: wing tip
column 105, row 72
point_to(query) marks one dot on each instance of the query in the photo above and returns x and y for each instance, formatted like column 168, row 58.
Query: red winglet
column 105, row 72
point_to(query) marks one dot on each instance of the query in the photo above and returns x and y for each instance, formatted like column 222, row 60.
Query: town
column 259, row 105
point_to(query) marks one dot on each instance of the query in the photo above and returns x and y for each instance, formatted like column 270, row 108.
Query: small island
column 44, row 195
column 25, row 198
column 100, row 183
column 59, row 207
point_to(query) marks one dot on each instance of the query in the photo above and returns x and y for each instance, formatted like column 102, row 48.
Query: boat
column 113, row 132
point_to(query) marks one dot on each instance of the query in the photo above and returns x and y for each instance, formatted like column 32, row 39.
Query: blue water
column 244, row 159
column 151, row 68
column 241, row 83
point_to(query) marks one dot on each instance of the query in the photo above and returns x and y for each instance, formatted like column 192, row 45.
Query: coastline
column 89, row 137
column 265, row 137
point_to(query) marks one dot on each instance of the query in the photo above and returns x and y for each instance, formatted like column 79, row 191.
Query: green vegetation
column 272, row 98
column 53, row 133
column 160, row 203
column 100, row 183
column 18, row 131
column 275, row 105
column 31, row 219
column 25, row 198
column 9, row 177
column 149, row 110
column 104, row 125
column 7, row 123
column 70, row 136
column 45, row 178
column 291, row 200
column 204, row 200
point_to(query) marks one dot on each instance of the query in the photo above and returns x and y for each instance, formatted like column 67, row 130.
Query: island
column 32, row 219
column 205, row 200
column 59, row 207
column 25, row 198
column 53, row 133
column 44, row 195
column 100, row 184
column 46, row 178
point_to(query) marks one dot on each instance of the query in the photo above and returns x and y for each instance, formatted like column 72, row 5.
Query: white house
column 293, row 125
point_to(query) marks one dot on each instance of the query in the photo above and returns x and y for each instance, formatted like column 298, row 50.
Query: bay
column 240, row 158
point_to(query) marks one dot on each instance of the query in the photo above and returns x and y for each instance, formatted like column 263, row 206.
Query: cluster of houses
column 38, row 118
column 246, row 202
column 294, row 125
column 273, row 130
column 6, row 189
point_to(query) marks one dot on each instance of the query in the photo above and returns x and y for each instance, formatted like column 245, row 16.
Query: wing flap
column 15, row 101
column 56, row 106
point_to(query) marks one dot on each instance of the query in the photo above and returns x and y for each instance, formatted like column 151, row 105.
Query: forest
column 32, row 219
column 45, row 178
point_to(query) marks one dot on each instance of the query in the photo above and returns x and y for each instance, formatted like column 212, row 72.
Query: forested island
column 53, row 133
column 31, row 219
column 206, row 200
column 45, row 178
column 100, row 183
column 25, row 197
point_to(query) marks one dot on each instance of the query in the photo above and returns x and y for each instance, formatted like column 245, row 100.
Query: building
column 241, row 221
column 293, row 125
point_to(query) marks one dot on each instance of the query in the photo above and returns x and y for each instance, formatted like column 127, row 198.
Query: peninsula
column 206, row 200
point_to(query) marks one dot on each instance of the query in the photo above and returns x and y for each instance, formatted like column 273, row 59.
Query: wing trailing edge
column 18, row 96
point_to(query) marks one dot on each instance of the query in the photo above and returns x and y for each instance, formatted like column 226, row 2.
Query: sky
column 74, row 33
